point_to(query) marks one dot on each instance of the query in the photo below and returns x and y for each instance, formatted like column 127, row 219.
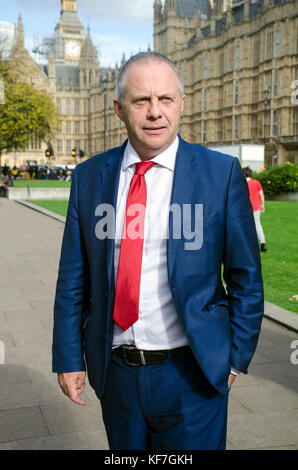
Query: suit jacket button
column 104, row 335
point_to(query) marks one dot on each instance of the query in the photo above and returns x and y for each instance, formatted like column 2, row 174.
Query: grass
column 279, row 263
column 42, row 184
column 59, row 207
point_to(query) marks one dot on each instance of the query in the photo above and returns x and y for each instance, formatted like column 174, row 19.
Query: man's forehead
column 143, row 66
column 141, row 73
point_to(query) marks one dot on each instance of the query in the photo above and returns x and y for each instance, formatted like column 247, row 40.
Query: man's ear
column 118, row 108
column 182, row 102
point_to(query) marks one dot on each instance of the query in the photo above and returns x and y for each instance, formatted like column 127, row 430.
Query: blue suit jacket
column 222, row 325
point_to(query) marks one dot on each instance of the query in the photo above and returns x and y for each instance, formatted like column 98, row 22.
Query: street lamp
column 77, row 152
column 74, row 154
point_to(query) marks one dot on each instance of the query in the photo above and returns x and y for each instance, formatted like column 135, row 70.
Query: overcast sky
column 117, row 26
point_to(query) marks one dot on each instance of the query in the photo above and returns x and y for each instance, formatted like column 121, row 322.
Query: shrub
column 279, row 179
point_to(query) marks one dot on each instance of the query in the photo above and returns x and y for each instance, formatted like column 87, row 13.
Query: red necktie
column 126, row 308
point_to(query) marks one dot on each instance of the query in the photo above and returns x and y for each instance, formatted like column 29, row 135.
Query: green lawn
column 279, row 263
column 42, row 184
column 59, row 207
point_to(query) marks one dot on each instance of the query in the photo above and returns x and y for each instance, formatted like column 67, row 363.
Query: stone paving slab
column 35, row 415
column 265, row 430
column 86, row 440
column 22, row 423
column 12, row 375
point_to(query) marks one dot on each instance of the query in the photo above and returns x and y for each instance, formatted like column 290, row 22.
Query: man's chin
column 152, row 145
column 156, row 141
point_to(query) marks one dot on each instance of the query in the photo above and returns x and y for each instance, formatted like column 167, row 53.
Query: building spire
column 19, row 39
column 88, row 48
column 157, row 11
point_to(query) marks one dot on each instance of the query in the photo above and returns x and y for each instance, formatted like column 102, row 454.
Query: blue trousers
column 167, row 406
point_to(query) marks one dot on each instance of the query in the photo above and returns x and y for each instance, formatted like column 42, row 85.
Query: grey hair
column 145, row 58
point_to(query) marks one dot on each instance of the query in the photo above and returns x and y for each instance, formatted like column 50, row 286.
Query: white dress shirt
column 158, row 326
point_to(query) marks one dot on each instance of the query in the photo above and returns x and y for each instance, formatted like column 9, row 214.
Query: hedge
column 279, row 179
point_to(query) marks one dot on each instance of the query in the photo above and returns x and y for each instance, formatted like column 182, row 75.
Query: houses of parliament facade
column 239, row 60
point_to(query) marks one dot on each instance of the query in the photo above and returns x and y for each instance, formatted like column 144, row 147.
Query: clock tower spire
column 69, row 34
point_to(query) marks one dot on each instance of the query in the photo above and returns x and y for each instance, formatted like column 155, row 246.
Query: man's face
column 151, row 107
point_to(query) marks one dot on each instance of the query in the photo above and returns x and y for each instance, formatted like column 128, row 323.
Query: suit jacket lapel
column 183, row 185
column 110, row 183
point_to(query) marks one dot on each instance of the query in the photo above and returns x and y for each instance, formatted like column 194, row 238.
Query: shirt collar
column 166, row 159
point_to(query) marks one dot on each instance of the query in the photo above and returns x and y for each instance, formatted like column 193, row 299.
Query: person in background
column 257, row 199
column 5, row 170
column 14, row 172
column 7, row 183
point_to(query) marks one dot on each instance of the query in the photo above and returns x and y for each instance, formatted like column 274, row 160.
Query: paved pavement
column 35, row 415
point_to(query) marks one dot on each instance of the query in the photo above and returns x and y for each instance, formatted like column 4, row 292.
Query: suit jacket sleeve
column 71, row 293
column 242, row 271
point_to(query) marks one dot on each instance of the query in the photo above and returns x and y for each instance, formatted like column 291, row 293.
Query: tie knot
column 143, row 167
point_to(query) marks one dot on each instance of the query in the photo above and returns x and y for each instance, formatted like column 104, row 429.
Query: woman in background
column 257, row 199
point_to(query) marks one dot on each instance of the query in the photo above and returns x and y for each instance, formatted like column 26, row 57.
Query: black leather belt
column 138, row 357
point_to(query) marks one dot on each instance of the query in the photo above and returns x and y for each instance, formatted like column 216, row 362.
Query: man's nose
column 154, row 111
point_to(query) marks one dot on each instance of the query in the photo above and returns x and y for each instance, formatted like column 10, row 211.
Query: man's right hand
column 72, row 385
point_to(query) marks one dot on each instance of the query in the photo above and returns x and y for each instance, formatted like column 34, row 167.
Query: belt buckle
column 130, row 348
column 142, row 356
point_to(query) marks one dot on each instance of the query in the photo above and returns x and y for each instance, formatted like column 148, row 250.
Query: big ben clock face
column 73, row 49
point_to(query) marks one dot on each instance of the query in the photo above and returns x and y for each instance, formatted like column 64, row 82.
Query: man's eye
column 166, row 99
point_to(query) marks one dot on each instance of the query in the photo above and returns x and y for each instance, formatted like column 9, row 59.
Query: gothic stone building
column 82, row 91
column 239, row 62
column 240, row 68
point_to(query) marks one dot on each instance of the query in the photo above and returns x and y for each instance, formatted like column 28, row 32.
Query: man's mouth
column 154, row 130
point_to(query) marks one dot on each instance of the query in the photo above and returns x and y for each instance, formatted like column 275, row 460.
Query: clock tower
column 69, row 34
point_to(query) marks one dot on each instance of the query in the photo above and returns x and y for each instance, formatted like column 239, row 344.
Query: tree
column 29, row 110
column 27, row 113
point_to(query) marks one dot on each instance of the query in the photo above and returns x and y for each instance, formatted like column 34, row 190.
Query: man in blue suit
column 140, row 301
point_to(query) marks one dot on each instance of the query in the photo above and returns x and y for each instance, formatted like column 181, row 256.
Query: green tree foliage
column 27, row 113
column 279, row 179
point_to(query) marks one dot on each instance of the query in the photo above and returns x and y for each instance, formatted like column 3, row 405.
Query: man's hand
column 232, row 377
column 73, row 384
